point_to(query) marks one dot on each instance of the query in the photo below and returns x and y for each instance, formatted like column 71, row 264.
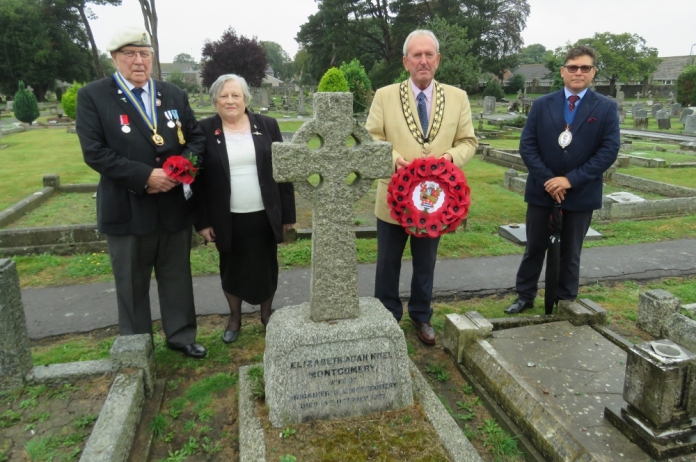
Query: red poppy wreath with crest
column 429, row 197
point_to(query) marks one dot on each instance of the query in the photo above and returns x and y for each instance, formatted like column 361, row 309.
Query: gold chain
column 438, row 107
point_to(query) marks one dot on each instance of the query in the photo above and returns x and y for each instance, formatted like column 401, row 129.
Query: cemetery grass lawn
column 31, row 155
column 676, row 176
column 46, row 423
column 620, row 299
column 652, row 125
column 61, row 209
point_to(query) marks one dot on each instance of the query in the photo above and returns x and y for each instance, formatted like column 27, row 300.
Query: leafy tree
column 517, row 83
column 333, row 80
column 457, row 65
column 26, row 108
column 107, row 64
column 69, row 101
column 85, row 15
column 186, row 58
column 686, row 86
column 300, row 68
column 41, row 41
column 358, row 83
column 234, row 54
column 554, row 61
column 278, row 59
column 622, row 57
column 533, row 54
column 493, row 88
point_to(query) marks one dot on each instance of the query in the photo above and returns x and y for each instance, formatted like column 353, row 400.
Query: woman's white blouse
column 244, row 178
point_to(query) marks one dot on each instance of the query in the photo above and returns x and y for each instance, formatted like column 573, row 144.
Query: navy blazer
column 125, row 160
column 212, row 186
column 594, row 149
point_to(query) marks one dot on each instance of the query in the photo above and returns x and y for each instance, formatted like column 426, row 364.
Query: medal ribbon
column 150, row 121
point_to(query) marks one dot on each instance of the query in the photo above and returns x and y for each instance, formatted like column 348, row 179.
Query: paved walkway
column 60, row 310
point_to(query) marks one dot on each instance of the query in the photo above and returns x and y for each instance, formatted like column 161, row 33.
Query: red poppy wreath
column 429, row 197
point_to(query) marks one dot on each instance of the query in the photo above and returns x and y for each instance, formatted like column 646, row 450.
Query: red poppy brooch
column 429, row 197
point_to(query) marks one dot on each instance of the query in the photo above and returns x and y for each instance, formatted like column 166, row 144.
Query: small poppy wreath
column 429, row 197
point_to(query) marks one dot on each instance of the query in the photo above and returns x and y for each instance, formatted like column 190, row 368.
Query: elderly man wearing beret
column 129, row 125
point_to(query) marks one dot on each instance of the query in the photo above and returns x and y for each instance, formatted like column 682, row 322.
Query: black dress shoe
column 518, row 307
column 230, row 336
column 193, row 350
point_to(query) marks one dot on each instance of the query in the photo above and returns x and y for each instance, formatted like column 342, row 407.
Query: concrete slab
column 555, row 380
column 517, row 233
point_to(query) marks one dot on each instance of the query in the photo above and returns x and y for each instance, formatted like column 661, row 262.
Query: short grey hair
column 216, row 87
column 418, row 33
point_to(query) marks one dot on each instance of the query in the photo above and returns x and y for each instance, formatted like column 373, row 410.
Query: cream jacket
column 386, row 122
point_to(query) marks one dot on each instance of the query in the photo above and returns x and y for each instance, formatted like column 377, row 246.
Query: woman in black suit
column 240, row 206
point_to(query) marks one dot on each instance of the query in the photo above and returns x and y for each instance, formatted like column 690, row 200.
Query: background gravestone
column 640, row 119
column 265, row 99
column 356, row 362
column 620, row 97
column 15, row 354
column 663, row 121
column 690, row 125
column 674, row 109
column 685, row 113
column 656, row 107
column 489, row 104
column 301, row 109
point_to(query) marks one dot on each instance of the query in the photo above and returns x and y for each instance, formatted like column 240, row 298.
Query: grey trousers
column 132, row 260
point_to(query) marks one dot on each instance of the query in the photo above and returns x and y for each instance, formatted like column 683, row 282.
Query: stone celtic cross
column 334, row 281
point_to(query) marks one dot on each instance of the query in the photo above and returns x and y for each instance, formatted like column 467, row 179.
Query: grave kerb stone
column 15, row 354
column 334, row 280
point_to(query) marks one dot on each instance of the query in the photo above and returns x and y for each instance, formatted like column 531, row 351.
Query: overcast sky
column 184, row 25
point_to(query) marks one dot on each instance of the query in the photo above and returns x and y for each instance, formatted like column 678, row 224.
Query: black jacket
column 125, row 160
column 212, row 185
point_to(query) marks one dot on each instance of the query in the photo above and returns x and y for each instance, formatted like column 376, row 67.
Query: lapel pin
column 218, row 141
column 256, row 133
column 217, row 132
column 120, row 92
column 123, row 99
column 158, row 102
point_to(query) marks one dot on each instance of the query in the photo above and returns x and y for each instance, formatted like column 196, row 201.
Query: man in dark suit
column 570, row 139
column 128, row 125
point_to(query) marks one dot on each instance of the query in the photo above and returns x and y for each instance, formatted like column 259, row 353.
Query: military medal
column 565, row 137
column 151, row 121
column 168, row 115
column 179, row 133
column 125, row 128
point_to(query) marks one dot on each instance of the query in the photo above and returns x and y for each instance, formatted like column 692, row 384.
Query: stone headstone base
column 517, row 233
column 674, row 443
column 334, row 369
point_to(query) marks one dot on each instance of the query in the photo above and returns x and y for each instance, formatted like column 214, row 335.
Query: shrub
column 516, row 122
column 493, row 88
column 333, row 80
column 26, row 108
column 686, row 86
column 516, row 83
column 359, row 84
column 69, row 100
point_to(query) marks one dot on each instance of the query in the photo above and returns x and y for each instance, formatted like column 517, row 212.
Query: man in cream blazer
column 421, row 118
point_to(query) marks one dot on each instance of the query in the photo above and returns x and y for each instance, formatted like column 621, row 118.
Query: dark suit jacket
column 212, row 185
column 593, row 150
column 125, row 160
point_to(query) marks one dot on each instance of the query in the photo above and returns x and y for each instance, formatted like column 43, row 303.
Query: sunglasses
column 584, row 69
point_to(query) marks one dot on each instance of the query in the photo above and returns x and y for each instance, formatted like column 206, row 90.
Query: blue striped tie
column 422, row 112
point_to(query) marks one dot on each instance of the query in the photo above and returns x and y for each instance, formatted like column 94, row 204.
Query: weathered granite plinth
column 15, row 354
column 660, row 392
column 654, row 307
column 136, row 351
column 335, row 369
column 582, row 312
column 462, row 330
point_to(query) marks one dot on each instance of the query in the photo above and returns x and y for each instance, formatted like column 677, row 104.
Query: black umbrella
column 553, row 257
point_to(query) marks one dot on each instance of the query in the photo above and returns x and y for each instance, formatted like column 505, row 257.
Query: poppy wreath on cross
column 429, row 197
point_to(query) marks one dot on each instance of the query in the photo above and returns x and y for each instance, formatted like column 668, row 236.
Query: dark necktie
column 138, row 93
column 422, row 112
column 572, row 99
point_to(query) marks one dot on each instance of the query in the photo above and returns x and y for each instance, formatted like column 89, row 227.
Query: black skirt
column 250, row 269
